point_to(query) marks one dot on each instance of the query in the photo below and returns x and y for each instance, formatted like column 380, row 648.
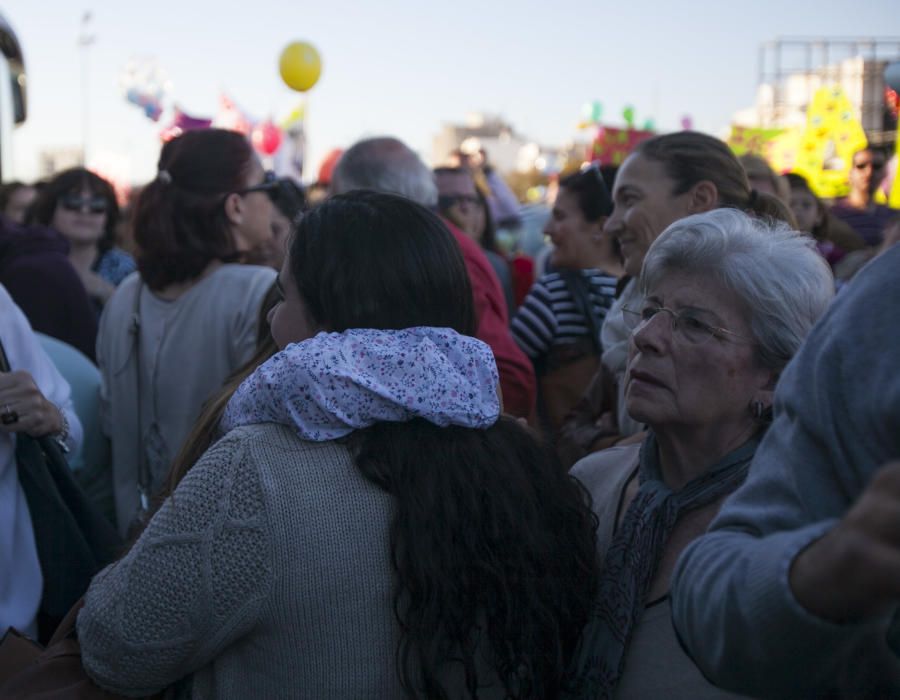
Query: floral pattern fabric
column 334, row 383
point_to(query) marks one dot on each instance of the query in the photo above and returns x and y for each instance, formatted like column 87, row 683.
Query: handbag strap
column 144, row 480
column 579, row 289
column 4, row 362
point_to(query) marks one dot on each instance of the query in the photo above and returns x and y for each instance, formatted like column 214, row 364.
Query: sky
column 405, row 67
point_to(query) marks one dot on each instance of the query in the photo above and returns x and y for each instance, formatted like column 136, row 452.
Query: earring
column 758, row 409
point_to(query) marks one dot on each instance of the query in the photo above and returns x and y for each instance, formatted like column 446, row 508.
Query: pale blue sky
column 403, row 66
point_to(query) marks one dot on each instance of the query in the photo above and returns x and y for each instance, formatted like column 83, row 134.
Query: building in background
column 508, row 151
column 53, row 160
column 791, row 70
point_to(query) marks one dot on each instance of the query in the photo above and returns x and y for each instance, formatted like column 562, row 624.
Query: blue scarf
column 631, row 561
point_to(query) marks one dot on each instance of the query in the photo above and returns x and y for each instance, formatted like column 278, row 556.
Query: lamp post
column 85, row 39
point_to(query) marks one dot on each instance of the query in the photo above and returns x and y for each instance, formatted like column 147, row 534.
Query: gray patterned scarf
column 632, row 558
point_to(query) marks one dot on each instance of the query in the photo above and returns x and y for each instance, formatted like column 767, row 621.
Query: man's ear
column 597, row 229
column 234, row 209
column 704, row 196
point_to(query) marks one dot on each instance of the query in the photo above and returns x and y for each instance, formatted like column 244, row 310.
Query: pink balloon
column 266, row 137
column 687, row 122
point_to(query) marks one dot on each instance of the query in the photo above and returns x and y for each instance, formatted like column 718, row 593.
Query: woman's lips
column 645, row 378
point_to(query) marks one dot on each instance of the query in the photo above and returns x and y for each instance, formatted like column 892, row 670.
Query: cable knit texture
column 267, row 574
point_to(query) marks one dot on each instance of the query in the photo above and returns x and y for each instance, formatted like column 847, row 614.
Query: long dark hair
column 73, row 181
column 492, row 543
column 180, row 224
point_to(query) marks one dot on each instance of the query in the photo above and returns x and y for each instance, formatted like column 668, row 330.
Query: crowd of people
column 363, row 447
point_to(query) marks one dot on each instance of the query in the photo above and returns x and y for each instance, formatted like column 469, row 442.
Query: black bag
column 73, row 540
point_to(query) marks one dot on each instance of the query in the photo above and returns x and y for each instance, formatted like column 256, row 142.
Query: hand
column 97, row 287
column 853, row 571
column 36, row 415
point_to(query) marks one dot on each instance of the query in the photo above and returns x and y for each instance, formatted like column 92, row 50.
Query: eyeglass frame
column 446, row 201
column 712, row 331
column 269, row 184
column 78, row 203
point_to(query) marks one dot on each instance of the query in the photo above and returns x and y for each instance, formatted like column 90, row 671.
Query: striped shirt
column 550, row 317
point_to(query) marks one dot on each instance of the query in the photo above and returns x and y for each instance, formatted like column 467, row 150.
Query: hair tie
column 754, row 196
column 164, row 176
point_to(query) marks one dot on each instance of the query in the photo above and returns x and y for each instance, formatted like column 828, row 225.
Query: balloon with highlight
column 300, row 66
column 266, row 137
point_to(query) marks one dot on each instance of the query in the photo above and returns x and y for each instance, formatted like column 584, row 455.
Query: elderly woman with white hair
column 728, row 300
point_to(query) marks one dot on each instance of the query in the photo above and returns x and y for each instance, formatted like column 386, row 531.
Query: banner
column 832, row 136
column 611, row 145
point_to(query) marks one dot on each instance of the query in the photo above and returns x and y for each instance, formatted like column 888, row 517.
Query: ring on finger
column 9, row 416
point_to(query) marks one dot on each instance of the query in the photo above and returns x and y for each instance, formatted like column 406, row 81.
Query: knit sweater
column 837, row 421
column 267, row 574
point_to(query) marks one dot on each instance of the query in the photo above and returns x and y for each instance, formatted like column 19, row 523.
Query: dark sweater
column 35, row 269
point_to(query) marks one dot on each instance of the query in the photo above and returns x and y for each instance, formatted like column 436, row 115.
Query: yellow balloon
column 300, row 66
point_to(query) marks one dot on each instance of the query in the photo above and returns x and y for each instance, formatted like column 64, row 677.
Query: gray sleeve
column 194, row 582
column 837, row 409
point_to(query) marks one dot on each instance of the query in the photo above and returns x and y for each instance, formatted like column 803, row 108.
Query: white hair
column 385, row 164
column 776, row 273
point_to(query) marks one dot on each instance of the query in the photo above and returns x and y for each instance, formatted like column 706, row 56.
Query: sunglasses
column 268, row 185
column 875, row 165
column 75, row 202
column 449, row 200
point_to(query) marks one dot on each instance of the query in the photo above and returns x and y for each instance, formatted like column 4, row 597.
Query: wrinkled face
column 867, row 171
column 671, row 382
column 806, row 210
column 81, row 216
column 290, row 320
column 573, row 236
column 255, row 226
column 18, row 202
column 458, row 200
column 644, row 207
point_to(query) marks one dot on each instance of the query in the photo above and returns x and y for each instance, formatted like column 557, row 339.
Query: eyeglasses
column 75, row 202
column 268, row 185
column 448, row 200
column 685, row 324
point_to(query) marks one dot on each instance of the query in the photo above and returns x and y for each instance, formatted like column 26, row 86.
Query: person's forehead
column 638, row 172
column 677, row 289
column 455, row 183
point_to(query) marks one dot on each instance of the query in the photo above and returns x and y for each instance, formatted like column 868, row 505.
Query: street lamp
column 85, row 39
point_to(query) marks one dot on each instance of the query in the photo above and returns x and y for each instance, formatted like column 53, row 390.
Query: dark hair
column 492, row 543
column 488, row 239
column 7, row 190
column 800, row 183
column 689, row 157
column 180, row 224
column 589, row 189
column 374, row 260
column 289, row 197
column 73, row 181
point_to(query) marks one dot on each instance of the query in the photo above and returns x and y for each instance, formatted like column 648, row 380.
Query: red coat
column 517, row 380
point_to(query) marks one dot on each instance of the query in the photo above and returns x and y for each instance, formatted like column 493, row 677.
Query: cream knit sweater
column 266, row 575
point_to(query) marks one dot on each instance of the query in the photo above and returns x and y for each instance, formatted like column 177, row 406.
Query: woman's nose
column 654, row 333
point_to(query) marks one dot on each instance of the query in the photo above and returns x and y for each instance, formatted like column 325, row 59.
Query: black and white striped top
column 549, row 317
